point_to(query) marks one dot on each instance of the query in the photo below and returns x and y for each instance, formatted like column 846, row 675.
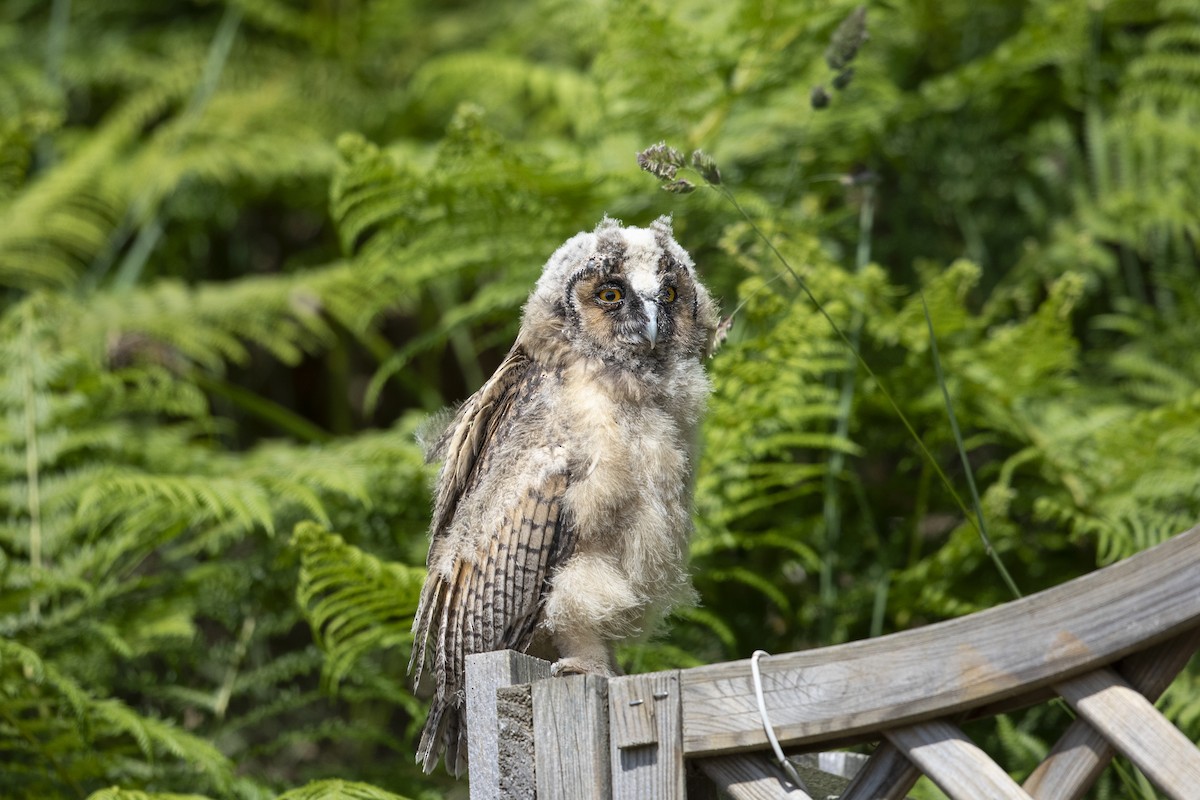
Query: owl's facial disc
column 620, row 314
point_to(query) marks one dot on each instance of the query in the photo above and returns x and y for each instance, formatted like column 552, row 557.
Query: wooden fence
column 1107, row 643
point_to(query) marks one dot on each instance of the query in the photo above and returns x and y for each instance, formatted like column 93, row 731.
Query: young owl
column 562, row 512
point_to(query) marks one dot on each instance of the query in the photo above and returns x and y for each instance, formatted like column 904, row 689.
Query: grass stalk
column 981, row 524
column 832, row 508
column 32, row 463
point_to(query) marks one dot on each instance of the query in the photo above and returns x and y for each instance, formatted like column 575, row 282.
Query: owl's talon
column 578, row 666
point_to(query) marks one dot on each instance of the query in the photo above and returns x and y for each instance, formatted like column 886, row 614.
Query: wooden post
column 487, row 672
column 646, row 737
column 570, row 730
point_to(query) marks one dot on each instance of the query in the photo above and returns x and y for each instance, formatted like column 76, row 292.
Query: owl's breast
column 631, row 475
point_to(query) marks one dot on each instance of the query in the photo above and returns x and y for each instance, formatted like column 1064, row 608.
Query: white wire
column 787, row 766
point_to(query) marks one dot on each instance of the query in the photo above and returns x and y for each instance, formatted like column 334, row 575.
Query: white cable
column 788, row 768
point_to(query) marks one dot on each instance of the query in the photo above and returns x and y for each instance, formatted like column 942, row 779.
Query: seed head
column 849, row 36
column 680, row 187
column 707, row 167
column 660, row 161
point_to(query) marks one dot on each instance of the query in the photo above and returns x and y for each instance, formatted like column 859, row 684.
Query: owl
column 561, row 512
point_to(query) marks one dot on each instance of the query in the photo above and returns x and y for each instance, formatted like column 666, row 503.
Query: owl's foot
column 580, row 666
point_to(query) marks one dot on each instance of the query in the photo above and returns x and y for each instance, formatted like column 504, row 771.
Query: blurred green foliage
column 246, row 246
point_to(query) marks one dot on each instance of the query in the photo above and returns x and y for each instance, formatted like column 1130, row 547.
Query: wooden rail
column 1108, row 643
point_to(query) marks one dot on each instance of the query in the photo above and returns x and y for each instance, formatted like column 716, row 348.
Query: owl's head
column 624, row 295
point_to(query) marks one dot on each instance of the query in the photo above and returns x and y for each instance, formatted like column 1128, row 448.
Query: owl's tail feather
column 427, row 608
column 443, row 731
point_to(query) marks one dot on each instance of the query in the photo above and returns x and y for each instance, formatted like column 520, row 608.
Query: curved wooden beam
column 1082, row 753
column 863, row 687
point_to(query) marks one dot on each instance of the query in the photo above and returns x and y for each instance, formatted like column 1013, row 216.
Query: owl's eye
column 609, row 294
column 667, row 295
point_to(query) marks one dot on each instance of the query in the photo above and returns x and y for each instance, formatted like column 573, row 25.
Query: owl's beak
column 650, row 331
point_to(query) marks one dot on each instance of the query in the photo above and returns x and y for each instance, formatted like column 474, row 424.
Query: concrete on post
column 486, row 673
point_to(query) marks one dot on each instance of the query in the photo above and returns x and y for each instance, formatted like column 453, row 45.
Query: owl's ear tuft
column 607, row 224
column 663, row 225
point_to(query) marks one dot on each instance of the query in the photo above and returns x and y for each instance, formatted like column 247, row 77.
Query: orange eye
column 667, row 295
column 609, row 294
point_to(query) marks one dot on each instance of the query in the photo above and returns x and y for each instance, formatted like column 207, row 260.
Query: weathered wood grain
column 1135, row 728
column 570, row 726
column 952, row 761
column 487, row 672
column 751, row 776
column 645, row 737
column 837, row 692
column 1081, row 753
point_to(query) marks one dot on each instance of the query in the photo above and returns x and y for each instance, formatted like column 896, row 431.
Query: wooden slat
column 888, row 775
column 1132, row 725
column 487, row 672
column 570, row 728
column 751, row 776
column 645, row 737
column 854, row 689
column 952, row 761
column 1081, row 753
column 633, row 705
column 827, row 774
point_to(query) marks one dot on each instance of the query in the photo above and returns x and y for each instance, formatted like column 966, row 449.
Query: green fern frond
column 771, row 401
column 280, row 705
column 202, row 499
column 354, row 602
column 657, row 656
column 486, row 304
column 1151, row 381
column 369, row 191
column 1050, row 35
column 93, row 720
column 946, row 294
column 53, row 229
column 513, row 90
column 752, row 579
column 1019, row 744
column 231, row 142
column 152, row 736
column 709, row 621
column 14, row 653
column 1026, row 354
column 665, row 89
column 1181, row 701
column 338, row 790
column 1163, row 75
column 115, row 793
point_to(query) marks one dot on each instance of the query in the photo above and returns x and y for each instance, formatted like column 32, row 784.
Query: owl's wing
column 491, row 600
